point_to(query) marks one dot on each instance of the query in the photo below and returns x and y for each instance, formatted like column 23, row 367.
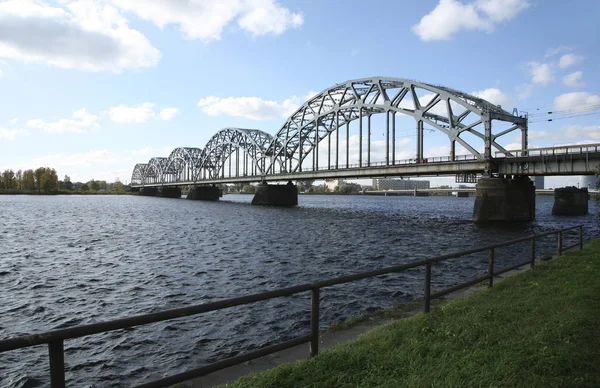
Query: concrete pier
column 276, row 195
column 205, row 193
column 149, row 191
column 504, row 199
column 570, row 201
column 169, row 192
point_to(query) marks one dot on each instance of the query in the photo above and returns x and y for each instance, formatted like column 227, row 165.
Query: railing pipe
column 560, row 242
column 491, row 268
column 57, row 363
column 314, row 322
column 427, row 286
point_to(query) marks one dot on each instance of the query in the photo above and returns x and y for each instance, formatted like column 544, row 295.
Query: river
column 72, row 260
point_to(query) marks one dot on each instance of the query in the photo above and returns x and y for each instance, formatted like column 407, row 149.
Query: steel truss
column 251, row 152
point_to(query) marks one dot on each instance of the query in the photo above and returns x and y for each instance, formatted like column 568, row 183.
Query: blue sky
column 93, row 87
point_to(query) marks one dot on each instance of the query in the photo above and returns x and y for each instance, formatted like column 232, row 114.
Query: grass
column 540, row 328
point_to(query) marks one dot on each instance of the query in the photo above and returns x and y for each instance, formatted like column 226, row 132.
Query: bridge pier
column 276, row 195
column 205, row 193
column 169, row 192
column 149, row 191
column 570, row 201
column 504, row 199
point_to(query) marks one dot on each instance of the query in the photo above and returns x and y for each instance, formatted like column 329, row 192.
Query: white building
column 399, row 184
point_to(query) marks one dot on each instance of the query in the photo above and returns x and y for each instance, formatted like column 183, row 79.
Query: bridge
column 353, row 130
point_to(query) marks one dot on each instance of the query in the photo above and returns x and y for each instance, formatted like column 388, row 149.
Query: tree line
column 44, row 180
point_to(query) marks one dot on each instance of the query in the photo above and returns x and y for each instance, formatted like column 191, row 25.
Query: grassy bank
column 540, row 328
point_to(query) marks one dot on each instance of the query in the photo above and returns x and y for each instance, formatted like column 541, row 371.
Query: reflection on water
column 72, row 260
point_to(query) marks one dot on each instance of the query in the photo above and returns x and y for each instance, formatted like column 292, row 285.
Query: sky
column 93, row 87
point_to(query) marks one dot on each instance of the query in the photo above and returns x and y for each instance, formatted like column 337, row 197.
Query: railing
column 55, row 339
column 550, row 151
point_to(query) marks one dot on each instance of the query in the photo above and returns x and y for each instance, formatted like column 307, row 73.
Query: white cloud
column 82, row 121
column 254, row 108
column 1, row 73
column 206, row 19
column 11, row 134
column 451, row 16
column 569, row 60
column 575, row 100
column 13, row 121
column 136, row 114
column 86, row 35
column 581, row 132
column 524, row 91
column 541, row 73
column 168, row 113
column 557, row 50
column 495, row 96
column 573, row 80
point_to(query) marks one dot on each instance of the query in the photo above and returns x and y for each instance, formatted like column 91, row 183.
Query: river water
column 72, row 260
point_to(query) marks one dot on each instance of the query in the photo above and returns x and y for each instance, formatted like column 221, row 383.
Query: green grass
column 540, row 328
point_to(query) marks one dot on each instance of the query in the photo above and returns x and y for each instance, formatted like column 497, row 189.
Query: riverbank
column 535, row 329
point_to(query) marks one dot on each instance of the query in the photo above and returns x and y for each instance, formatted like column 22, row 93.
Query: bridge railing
column 55, row 339
column 550, row 151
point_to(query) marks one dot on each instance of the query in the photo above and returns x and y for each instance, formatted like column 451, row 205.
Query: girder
column 258, row 154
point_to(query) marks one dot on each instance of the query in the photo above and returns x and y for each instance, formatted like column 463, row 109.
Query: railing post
column 314, row 322
column 560, row 241
column 580, row 237
column 533, row 252
column 427, row 293
column 491, row 268
column 57, row 364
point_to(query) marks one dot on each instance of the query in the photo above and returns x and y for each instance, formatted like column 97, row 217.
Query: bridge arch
column 155, row 170
column 250, row 143
column 138, row 174
column 182, row 164
column 449, row 111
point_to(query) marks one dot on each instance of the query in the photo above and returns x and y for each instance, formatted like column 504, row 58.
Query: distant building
column 399, row 184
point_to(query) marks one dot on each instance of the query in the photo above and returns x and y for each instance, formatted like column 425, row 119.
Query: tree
column 84, row 188
column 8, row 179
column 28, row 180
column 38, row 173
column 19, row 178
column 49, row 180
column 67, row 184
column 93, row 185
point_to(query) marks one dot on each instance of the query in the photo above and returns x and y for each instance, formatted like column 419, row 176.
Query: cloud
column 495, row 96
column 451, row 16
column 206, row 19
column 557, row 50
column 13, row 121
column 541, row 73
column 569, row 60
column 575, row 100
column 581, row 132
column 81, row 122
column 86, row 35
column 136, row 114
column 254, row 108
column 11, row 134
column 573, row 80
column 1, row 73
column 524, row 91
column 168, row 113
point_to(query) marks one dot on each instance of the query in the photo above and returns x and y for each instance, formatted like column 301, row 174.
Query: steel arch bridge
column 320, row 128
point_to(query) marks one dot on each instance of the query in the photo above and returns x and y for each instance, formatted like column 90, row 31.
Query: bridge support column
column 504, row 199
column 205, row 193
column 276, row 195
column 169, row 192
column 149, row 191
column 570, row 201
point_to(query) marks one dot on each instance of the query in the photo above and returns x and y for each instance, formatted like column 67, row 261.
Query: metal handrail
column 547, row 151
column 55, row 338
